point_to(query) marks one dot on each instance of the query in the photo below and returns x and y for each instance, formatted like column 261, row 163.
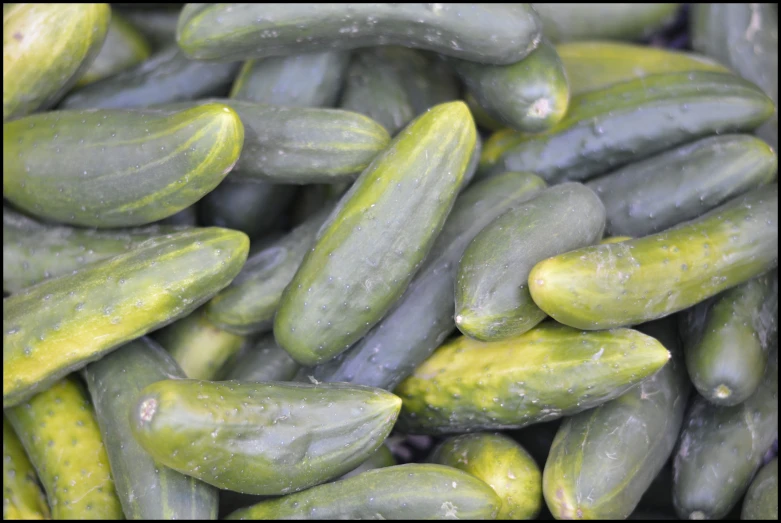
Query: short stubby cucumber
column 370, row 247
column 412, row 491
column 492, row 299
column 640, row 280
column 115, row 168
column 262, row 438
column 761, row 501
column 382, row 457
column 22, row 497
column 60, row 325
column 546, row 373
column 244, row 31
column 264, row 361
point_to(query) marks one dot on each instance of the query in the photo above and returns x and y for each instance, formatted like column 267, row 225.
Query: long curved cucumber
column 262, row 362
column 761, row 501
column 22, row 497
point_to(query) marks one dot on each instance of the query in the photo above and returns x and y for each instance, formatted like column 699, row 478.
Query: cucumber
column 761, row 501
column 482, row 118
column 301, row 80
column 428, row 492
column 22, row 497
column 655, row 194
column 531, row 95
column 382, row 457
column 549, row 372
column 62, row 324
column 244, row 31
column 114, row 168
column 262, row 362
column 186, row 217
column 616, row 239
column 261, row 438
column 146, row 489
column 46, row 48
column 492, row 299
column 603, row 460
column 500, row 462
column 368, row 250
column 313, row 197
column 60, row 434
column 474, row 163
column 158, row 26
column 727, row 340
column 626, row 122
column 632, row 282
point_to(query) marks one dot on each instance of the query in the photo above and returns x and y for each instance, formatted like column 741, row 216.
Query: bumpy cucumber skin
column 531, row 95
column 492, row 299
column 761, row 501
column 603, row 461
column 114, row 168
column 22, row 497
column 727, row 340
column 500, row 462
column 61, row 435
column 635, row 281
column 146, row 489
column 382, row 457
column 370, row 247
column 46, row 47
column 549, row 372
column 609, row 127
column 264, row 361
column 60, row 325
column 412, row 491
column 290, row 436
column 655, row 194
column 487, row 33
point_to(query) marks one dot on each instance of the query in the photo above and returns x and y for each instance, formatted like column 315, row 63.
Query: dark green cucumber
column 46, row 47
column 302, row 80
column 262, row 438
column 382, row 457
column 61, row 435
column 146, row 489
column 22, row 497
column 546, row 373
column 60, row 325
column 264, row 361
column 761, row 501
column 368, row 251
column 312, row 197
column 640, row 280
column 115, row 168
column 625, row 122
column 500, row 462
column 158, row 26
column 492, row 299
column 412, row 491
column 482, row 118
column 603, row 461
column 474, row 162
column 244, row 31
column 531, row 95
column 721, row 448
column 727, row 340
column 655, row 194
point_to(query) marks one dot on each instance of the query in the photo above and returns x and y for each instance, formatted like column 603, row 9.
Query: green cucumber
column 602, row 461
column 146, row 489
column 186, row 217
column 368, row 250
column 616, row 239
column 302, row 80
column 727, row 339
column 625, row 122
column 60, row 434
column 382, row 457
column 60, row 325
column 261, row 438
column 22, row 497
column 655, row 194
column 262, row 362
column 313, row 197
column 114, row 168
column 158, row 26
column 46, row 48
column 412, row 491
column 721, row 448
column 500, row 462
column 492, row 299
column 244, row 31
column 531, row 95
column 761, row 501
column 482, row 118
column 640, row 280
column 546, row 373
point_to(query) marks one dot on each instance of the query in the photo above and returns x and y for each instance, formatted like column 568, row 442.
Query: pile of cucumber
column 390, row 261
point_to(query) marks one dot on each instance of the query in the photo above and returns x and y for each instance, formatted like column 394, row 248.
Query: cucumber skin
column 146, row 489
column 370, row 247
column 240, row 32
column 60, row 325
column 422, row 318
column 158, row 25
column 264, row 361
column 292, row 436
column 761, row 501
column 382, row 457
column 680, row 184
column 185, row 217
column 687, row 264
column 131, row 178
column 492, row 299
column 429, row 492
column 22, row 497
